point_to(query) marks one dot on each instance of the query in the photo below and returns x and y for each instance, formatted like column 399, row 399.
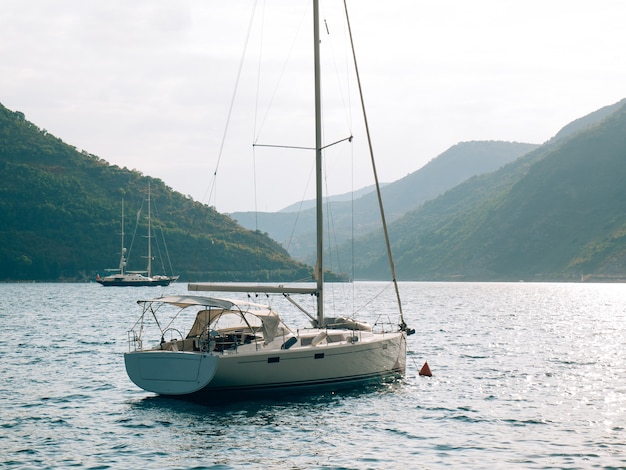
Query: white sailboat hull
column 375, row 357
column 170, row 372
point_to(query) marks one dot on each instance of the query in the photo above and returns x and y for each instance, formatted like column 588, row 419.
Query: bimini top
column 183, row 301
column 214, row 309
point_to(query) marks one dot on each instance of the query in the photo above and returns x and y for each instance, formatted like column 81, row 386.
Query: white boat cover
column 271, row 323
column 183, row 301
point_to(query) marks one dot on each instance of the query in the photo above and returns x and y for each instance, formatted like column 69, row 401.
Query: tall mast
column 123, row 251
column 319, row 265
column 149, row 237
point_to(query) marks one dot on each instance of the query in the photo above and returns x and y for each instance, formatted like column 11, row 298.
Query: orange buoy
column 425, row 370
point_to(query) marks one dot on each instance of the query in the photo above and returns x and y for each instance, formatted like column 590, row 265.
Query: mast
column 123, row 251
column 319, row 265
column 149, row 237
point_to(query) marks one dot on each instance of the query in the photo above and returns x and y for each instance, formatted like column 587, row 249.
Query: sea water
column 525, row 375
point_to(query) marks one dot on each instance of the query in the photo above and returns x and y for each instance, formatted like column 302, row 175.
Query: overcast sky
column 147, row 84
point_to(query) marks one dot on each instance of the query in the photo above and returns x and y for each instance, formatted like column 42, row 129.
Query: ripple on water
column 525, row 375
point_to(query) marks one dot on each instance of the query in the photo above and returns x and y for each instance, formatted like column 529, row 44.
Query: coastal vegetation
column 557, row 213
column 60, row 218
column 486, row 211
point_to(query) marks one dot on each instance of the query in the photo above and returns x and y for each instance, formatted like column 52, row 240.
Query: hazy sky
column 147, row 84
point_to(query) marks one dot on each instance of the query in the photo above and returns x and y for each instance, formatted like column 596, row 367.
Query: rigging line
column 254, row 190
column 280, row 78
column 327, row 213
column 283, row 147
column 155, row 230
column 161, row 231
column 132, row 240
column 258, row 73
column 350, row 118
column 292, row 147
column 256, row 115
column 340, row 86
column 380, row 200
column 299, row 212
column 352, row 224
column 372, row 299
column 232, row 103
column 345, row 96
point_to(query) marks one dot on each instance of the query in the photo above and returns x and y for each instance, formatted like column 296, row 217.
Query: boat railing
column 135, row 343
column 385, row 324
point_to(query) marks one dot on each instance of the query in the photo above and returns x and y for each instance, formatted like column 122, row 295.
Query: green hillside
column 60, row 215
column 558, row 213
column 296, row 229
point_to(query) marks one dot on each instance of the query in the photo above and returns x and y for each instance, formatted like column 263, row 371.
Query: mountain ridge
column 552, row 212
column 558, row 213
column 296, row 231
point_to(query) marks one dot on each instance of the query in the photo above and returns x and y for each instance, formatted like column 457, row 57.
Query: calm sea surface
column 524, row 376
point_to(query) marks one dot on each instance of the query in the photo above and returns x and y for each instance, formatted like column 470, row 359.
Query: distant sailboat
column 123, row 278
column 234, row 347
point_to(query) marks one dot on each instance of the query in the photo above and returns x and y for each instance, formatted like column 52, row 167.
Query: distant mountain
column 587, row 121
column 346, row 197
column 558, row 213
column 296, row 230
column 60, row 218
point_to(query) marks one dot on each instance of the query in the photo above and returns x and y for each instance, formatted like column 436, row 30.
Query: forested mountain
column 60, row 215
column 296, row 230
column 558, row 213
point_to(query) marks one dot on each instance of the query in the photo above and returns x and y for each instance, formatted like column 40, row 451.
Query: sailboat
column 123, row 278
column 235, row 347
